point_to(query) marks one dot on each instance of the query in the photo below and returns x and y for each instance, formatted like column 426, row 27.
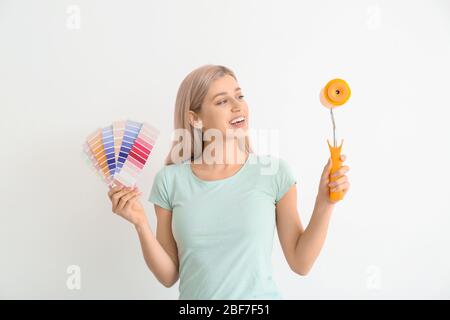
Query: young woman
column 216, row 214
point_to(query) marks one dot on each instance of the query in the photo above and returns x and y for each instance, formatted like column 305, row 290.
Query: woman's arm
column 160, row 253
column 302, row 247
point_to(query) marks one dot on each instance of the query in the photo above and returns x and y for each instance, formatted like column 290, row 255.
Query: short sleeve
column 284, row 179
column 160, row 191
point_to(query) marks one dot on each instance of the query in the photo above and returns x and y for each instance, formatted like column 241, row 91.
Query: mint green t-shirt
column 224, row 228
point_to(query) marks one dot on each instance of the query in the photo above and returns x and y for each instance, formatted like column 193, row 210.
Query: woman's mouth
column 238, row 122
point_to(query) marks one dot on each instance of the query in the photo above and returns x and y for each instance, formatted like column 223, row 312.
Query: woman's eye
column 225, row 101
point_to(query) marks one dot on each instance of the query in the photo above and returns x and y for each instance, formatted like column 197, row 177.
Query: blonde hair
column 190, row 96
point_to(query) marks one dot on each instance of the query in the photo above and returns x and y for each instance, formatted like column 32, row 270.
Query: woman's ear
column 194, row 120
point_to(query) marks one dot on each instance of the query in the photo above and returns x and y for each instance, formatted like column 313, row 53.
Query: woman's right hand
column 125, row 203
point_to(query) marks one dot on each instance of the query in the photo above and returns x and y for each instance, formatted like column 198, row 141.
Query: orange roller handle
column 336, row 164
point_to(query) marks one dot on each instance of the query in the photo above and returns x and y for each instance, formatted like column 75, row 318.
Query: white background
column 60, row 80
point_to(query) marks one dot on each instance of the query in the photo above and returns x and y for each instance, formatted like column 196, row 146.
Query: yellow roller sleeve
column 335, row 93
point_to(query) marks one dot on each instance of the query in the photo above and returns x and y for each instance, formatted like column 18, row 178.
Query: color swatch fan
column 120, row 151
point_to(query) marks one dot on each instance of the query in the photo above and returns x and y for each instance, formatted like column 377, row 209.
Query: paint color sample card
column 137, row 156
column 118, row 129
column 91, row 160
column 96, row 145
column 129, row 135
column 108, row 145
column 120, row 151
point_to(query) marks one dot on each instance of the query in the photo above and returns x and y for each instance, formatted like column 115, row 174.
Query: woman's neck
column 230, row 155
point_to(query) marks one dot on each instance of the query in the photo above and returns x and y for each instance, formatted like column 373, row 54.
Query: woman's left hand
column 341, row 184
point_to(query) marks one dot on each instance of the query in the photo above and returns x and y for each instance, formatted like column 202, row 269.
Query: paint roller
column 335, row 94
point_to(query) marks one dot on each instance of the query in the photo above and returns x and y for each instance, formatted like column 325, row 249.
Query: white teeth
column 238, row 119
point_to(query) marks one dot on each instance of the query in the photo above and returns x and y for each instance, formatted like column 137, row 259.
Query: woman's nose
column 236, row 105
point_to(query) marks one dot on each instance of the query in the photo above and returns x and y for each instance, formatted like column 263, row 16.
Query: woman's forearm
column 156, row 258
column 311, row 241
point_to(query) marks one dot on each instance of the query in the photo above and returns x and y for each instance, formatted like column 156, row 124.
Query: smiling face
column 223, row 108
